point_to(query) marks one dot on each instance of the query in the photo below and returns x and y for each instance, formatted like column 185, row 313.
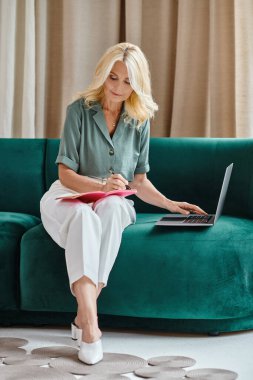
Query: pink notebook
column 94, row 196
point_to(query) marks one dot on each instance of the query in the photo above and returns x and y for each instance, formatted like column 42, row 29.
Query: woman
column 104, row 146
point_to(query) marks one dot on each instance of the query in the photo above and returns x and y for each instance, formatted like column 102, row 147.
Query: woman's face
column 117, row 87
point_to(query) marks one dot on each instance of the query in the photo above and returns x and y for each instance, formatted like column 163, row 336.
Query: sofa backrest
column 187, row 169
column 192, row 170
column 22, row 182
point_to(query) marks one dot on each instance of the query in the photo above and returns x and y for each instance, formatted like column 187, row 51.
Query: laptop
column 195, row 220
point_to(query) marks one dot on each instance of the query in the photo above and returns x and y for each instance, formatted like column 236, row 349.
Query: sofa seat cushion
column 12, row 227
column 43, row 274
column 175, row 273
column 182, row 273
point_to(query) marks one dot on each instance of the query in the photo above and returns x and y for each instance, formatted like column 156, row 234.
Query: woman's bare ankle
column 79, row 322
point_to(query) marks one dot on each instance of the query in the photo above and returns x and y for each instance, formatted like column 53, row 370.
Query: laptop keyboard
column 197, row 219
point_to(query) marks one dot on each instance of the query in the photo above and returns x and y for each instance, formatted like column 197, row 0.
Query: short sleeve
column 70, row 140
column 143, row 160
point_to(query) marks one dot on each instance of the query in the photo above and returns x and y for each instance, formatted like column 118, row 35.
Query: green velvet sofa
column 174, row 279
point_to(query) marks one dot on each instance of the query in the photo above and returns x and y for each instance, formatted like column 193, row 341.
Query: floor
column 229, row 351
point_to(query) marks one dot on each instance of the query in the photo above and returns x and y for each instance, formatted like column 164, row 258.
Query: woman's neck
column 111, row 107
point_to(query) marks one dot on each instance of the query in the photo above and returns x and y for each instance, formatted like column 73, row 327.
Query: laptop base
column 178, row 220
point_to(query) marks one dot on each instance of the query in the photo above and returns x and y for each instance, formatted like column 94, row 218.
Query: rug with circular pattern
column 61, row 362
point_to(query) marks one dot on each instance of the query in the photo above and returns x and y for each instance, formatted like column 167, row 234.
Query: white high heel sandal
column 76, row 333
column 91, row 353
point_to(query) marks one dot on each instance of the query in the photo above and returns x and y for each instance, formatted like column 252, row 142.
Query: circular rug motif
column 28, row 359
column 158, row 371
column 12, row 342
column 56, row 351
column 17, row 372
column 9, row 351
column 172, row 361
column 111, row 363
column 212, row 373
column 101, row 377
column 165, row 377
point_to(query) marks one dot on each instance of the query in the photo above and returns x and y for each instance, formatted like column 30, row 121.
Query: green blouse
column 87, row 148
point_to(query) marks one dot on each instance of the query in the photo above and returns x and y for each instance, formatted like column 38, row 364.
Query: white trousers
column 89, row 233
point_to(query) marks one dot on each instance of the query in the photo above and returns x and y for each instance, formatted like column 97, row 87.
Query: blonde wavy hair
column 140, row 105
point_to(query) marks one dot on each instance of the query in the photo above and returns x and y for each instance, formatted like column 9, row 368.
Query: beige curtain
column 17, row 68
column 200, row 54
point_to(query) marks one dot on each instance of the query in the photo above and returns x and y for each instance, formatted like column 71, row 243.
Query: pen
column 103, row 179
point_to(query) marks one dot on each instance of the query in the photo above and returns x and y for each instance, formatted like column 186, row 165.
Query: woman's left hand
column 185, row 208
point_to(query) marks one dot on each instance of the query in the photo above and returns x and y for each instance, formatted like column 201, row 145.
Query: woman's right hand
column 115, row 182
